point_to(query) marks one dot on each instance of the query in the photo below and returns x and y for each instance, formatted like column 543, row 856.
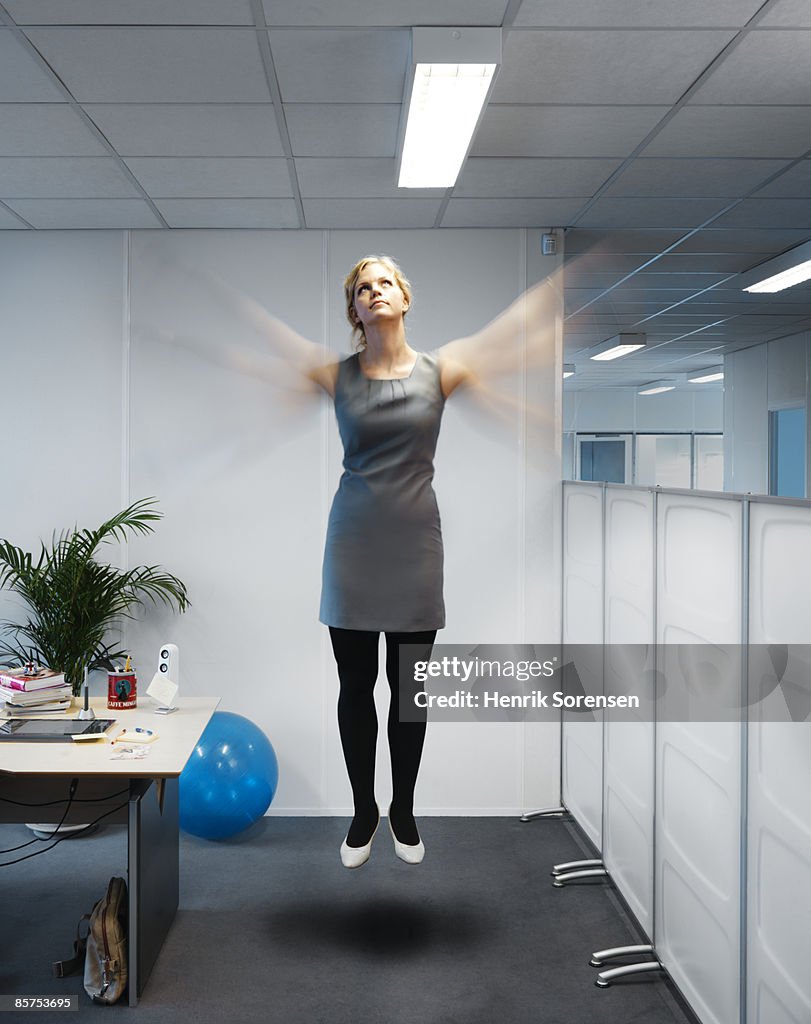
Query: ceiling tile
column 229, row 213
column 649, row 213
column 685, row 279
column 508, row 213
column 22, row 80
column 62, row 178
column 722, row 263
column 734, row 131
column 563, row 131
column 795, row 183
column 189, row 129
column 341, row 66
column 756, row 241
column 366, row 177
column 45, row 129
column 156, row 65
column 603, row 67
column 768, row 66
column 768, row 213
column 371, row 12
column 223, row 177
column 637, row 13
column 521, row 176
column 699, row 178
column 125, row 12
column 581, row 240
column 788, row 14
column 62, row 214
column 343, row 129
column 8, row 222
column 370, row 213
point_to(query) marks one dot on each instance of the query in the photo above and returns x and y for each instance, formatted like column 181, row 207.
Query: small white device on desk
column 166, row 681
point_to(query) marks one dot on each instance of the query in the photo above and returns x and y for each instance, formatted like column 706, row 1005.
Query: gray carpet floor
column 272, row 928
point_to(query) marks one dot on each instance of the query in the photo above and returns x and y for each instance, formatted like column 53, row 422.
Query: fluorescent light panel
column 712, row 373
column 614, row 348
column 569, row 370
column 656, row 387
column 783, row 271
column 454, row 71
column 776, row 283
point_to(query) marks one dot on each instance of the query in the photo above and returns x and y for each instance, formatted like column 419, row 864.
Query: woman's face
column 378, row 296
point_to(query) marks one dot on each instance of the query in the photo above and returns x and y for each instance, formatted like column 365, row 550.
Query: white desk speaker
column 166, row 681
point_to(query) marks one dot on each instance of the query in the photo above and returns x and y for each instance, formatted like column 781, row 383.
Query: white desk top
column 177, row 735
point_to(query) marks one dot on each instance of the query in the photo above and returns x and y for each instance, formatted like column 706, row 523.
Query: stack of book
column 28, row 691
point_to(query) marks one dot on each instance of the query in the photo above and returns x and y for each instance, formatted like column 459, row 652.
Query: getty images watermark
column 627, row 682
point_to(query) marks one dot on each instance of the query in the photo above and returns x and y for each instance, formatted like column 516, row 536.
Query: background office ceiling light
column 784, row 271
column 709, row 376
column 656, row 387
column 617, row 348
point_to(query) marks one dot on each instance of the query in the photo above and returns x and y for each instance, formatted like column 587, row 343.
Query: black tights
column 356, row 654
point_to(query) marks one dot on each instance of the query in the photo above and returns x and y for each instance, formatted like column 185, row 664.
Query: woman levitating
column 382, row 570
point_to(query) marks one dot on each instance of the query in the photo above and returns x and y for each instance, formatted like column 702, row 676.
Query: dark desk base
column 151, row 814
column 154, row 875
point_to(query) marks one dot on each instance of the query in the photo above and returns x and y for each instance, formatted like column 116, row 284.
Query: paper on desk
column 129, row 753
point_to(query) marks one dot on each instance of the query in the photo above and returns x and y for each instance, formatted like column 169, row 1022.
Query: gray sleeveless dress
column 383, row 554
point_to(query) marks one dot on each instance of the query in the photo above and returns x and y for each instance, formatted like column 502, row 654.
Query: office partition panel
column 698, row 764
column 628, row 784
column 778, row 933
column 582, row 742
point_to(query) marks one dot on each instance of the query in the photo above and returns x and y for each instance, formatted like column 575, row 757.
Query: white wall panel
column 151, row 382
column 583, row 625
column 786, row 372
column 746, row 421
column 247, row 458
column 672, row 410
column 779, row 771
column 238, row 465
column 629, row 744
column 623, row 410
column 698, row 766
column 61, row 351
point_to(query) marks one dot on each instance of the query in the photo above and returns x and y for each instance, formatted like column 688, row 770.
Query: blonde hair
column 349, row 291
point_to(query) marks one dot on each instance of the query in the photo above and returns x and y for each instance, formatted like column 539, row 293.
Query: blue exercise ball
column 229, row 780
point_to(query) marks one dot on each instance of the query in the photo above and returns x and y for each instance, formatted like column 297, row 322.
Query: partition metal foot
column 604, row 978
column 549, row 812
column 570, row 876
column 574, row 865
column 599, row 958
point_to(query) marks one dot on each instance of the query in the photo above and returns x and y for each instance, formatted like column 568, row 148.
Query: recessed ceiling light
column 453, row 72
column 620, row 345
column 656, row 387
column 712, row 373
column 783, row 271
column 569, row 370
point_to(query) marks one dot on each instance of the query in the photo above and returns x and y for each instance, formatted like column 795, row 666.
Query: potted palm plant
column 74, row 601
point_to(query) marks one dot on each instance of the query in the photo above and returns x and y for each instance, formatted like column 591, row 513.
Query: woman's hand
column 523, row 336
column 284, row 358
column 314, row 362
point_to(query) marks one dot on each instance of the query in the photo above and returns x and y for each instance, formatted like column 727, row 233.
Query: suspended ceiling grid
column 670, row 141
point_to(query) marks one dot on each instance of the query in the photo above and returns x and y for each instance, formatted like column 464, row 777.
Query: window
column 787, row 452
column 604, row 457
column 709, row 462
column 663, row 459
column 666, row 460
